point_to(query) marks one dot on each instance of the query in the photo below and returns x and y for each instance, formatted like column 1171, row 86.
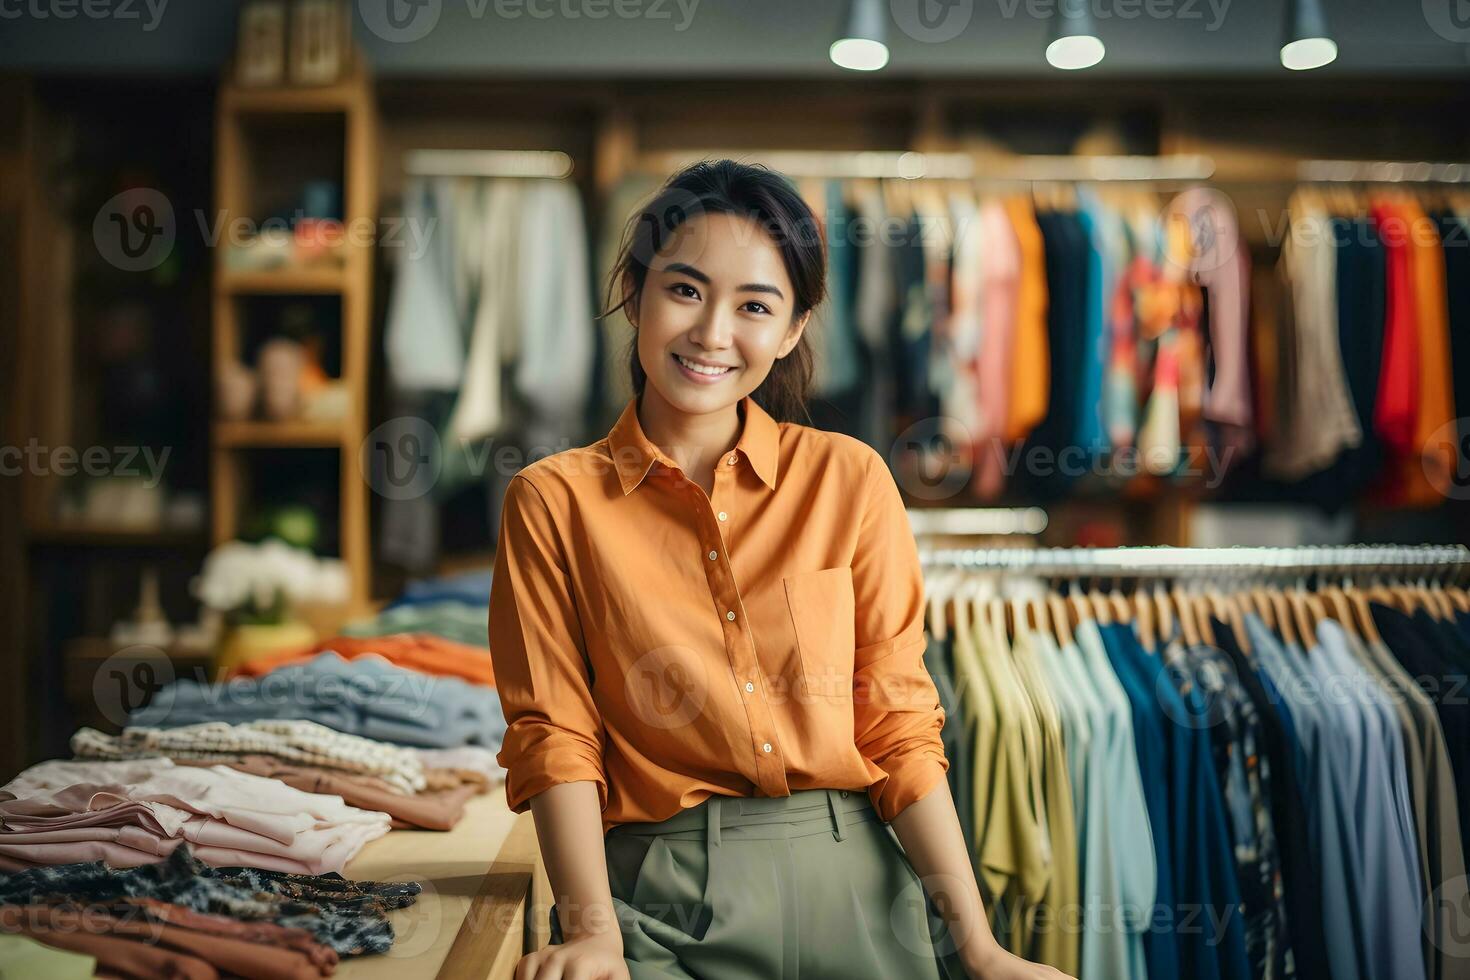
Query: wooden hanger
column 940, row 587
column 1202, row 616
column 1217, row 603
column 1317, row 606
column 1261, row 600
column 1017, row 610
column 1340, row 609
column 1122, row 612
column 1077, row 603
column 1305, row 623
column 1143, row 618
column 1060, row 617
column 961, row 607
column 1040, row 613
column 1281, row 610
column 1235, row 605
column 1430, row 596
column 997, row 612
column 1459, row 598
column 1358, row 599
column 1185, row 608
column 1101, row 611
column 1165, row 615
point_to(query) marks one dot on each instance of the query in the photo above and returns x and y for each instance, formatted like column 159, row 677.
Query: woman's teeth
column 700, row 368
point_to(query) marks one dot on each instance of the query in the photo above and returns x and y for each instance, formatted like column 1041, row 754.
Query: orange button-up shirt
column 670, row 645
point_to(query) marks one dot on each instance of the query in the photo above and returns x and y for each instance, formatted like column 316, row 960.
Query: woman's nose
column 713, row 331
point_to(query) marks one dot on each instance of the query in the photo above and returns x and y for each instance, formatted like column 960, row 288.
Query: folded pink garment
column 128, row 814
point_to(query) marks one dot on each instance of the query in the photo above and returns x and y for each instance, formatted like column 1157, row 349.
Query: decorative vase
column 250, row 641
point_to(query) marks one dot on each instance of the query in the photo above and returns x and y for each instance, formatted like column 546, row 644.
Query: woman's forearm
column 569, row 828
column 930, row 832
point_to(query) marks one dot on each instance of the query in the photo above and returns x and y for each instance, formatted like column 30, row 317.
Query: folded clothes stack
column 469, row 588
column 424, row 652
column 449, row 618
column 138, row 811
column 304, row 742
column 405, row 783
column 366, row 695
column 182, row 917
column 472, row 763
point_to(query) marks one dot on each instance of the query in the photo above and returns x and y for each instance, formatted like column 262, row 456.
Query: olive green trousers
column 811, row 886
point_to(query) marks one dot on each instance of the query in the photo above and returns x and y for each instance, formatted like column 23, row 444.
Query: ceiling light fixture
column 1307, row 44
column 862, row 48
column 1075, row 43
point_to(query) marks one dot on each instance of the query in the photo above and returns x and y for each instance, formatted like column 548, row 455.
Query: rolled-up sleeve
column 554, row 732
column 898, row 716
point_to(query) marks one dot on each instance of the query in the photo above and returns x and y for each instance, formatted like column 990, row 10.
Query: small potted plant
column 257, row 588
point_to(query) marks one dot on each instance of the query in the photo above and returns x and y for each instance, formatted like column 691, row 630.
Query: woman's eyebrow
column 749, row 287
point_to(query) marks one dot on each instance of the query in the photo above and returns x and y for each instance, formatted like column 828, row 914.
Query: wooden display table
column 483, row 883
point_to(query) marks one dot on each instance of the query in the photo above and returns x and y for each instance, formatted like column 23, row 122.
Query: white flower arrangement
column 256, row 583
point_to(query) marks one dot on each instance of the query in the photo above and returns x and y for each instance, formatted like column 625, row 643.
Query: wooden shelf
column 341, row 96
column 325, row 280
column 344, row 112
column 248, row 435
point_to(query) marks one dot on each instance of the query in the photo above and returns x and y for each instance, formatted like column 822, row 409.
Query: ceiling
column 735, row 38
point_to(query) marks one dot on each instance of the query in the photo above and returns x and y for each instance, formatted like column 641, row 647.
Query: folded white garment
column 135, row 811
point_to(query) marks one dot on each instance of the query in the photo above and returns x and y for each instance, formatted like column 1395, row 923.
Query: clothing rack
column 912, row 165
column 1436, row 561
column 1383, row 172
column 553, row 164
column 959, row 521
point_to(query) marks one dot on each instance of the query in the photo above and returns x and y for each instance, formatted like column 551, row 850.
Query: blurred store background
column 1118, row 279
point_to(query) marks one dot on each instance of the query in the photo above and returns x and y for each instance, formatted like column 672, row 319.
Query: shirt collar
column 634, row 455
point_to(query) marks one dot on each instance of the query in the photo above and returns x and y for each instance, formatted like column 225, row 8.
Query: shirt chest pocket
column 823, row 613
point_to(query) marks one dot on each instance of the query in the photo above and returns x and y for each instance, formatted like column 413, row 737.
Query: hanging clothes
column 1319, row 421
column 1283, row 783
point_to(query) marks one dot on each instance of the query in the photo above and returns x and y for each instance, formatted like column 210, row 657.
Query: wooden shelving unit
column 345, row 111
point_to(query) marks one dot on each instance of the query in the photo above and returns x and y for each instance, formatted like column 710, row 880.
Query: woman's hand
column 997, row 964
column 595, row 956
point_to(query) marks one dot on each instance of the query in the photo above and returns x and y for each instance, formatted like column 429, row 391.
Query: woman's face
column 717, row 299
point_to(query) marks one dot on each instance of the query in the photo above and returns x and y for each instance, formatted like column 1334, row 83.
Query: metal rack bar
column 487, row 163
column 913, row 165
column 1383, row 171
column 945, row 521
column 1161, row 562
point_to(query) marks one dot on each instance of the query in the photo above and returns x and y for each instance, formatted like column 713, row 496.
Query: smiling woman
column 708, row 637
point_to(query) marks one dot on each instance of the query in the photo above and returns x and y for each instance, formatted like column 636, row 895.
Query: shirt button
column 730, row 615
column 722, row 515
column 713, row 555
column 844, row 794
column 766, row 747
column 749, row 687
column 730, row 459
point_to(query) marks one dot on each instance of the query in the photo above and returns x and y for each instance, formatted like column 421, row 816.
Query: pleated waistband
column 804, row 811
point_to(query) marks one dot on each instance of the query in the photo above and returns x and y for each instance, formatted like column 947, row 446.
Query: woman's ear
column 793, row 334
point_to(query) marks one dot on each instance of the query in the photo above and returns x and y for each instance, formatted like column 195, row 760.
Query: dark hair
column 773, row 203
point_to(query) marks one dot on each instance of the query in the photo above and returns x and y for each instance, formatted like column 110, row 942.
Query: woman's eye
column 761, row 307
column 684, row 285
